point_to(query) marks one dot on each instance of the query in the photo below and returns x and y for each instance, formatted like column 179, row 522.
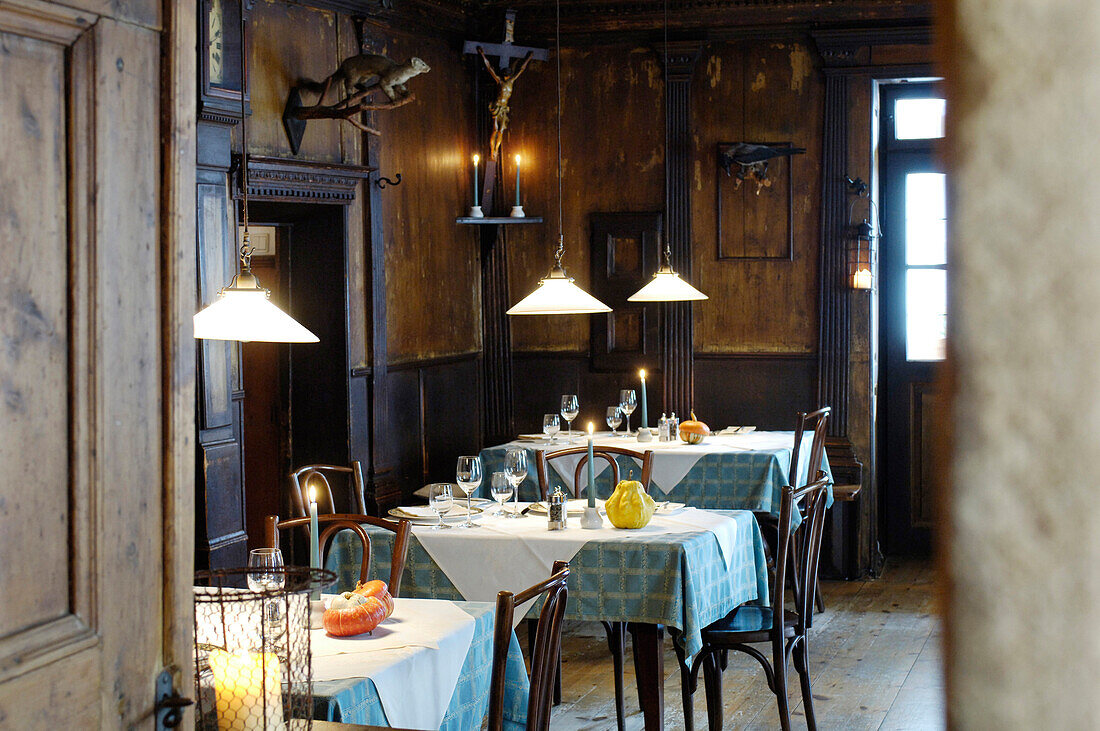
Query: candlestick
column 517, row 181
column 477, row 158
column 591, row 469
column 645, row 412
column 247, row 690
column 314, row 550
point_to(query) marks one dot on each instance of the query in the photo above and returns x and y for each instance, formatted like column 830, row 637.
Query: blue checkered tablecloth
column 741, row 480
column 356, row 700
column 679, row 580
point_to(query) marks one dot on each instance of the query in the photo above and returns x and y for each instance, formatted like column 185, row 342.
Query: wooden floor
column 875, row 664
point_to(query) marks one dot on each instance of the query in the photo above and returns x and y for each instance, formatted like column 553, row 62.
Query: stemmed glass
column 501, row 489
column 441, row 500
column 551, row 425
column 628, row 402
column 266, row 574
column 515, row 468
column 469, row 477
column 614, row 418
column 570, row 407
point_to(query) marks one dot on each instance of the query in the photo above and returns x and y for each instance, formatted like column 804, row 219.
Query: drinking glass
column 468, row 474
column 501, row 489
column 570, row 407
column 441, row 500
column 515, row 467
column 551, row 425
column 614, row 418
column 628, row 402
column 265, row 569
column 266, row 574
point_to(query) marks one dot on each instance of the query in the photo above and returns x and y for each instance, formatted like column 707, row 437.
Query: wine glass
column 500, row 488
column 515, row 467
column 614, row 418
column 628, row 402
column 468, row 474
column 441, row 499
column 551, row 425
column 266, row 574
column 570, row 407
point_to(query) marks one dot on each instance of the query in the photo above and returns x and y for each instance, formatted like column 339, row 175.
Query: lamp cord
column 668, row 198
column 246, row 247
column 557, row 57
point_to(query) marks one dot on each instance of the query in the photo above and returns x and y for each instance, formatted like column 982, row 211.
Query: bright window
column 918, row 119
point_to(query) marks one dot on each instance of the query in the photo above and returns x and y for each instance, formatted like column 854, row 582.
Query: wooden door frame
column 179, row 295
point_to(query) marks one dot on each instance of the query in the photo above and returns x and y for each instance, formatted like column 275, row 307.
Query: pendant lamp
column 243, row 310
column 666, row 285
column 557, row 294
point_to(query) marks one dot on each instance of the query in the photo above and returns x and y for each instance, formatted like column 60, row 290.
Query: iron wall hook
column 383, row 182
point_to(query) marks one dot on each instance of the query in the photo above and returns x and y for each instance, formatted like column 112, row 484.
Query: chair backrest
column 544, row 657
column 811, row 499
column 815, row 421
column 330, row 525
column 608, row 454
column 316, row 476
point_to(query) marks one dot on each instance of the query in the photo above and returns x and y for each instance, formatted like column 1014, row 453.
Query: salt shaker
column 556, row 510
column 662, row 428
column 673, row 427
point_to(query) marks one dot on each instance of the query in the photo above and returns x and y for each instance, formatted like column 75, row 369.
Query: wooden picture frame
column 758, row 214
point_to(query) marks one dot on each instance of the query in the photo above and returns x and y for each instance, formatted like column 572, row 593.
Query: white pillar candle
column 247, row 690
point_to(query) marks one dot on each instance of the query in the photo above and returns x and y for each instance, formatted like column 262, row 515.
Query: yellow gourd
column 629, row 506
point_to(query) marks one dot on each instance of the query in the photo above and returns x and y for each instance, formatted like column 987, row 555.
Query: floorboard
column 875, row 660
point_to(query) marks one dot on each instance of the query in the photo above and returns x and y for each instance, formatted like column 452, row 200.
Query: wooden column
column 677, row 332
column 496, row 335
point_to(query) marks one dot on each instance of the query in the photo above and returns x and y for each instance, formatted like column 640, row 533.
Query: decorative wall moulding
column 276, row 179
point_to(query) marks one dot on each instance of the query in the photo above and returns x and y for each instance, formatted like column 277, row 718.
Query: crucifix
column 512, row 61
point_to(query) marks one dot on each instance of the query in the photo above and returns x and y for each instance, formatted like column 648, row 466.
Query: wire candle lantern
column 253, row 663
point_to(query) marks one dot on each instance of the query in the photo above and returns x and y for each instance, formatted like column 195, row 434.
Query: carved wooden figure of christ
column 499, row 107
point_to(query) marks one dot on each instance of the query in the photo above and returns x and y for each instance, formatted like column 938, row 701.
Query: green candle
column 591, row 469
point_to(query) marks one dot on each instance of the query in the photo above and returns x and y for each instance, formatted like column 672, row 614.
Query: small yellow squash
column 629, row 506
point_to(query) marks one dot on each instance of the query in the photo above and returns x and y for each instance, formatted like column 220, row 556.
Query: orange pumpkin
column 693, row 431
column 358, row 611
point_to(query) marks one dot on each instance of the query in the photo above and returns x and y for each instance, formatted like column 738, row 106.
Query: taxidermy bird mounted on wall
column 752, row 160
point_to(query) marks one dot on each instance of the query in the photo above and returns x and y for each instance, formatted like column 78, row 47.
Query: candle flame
column 591, row 427
column 477, row 159
column 517, row 159
column 642, row 373
column 312, row 494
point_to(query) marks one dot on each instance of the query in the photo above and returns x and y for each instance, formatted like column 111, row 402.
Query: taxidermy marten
column 366, row 70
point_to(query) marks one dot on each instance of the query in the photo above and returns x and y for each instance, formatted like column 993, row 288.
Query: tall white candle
column 517, row 180
column 591, row 469
column 645, row 413
column 477, row 159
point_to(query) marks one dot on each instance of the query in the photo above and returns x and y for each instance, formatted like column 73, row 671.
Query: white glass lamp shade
column 247, row 315
column 666, row 286
column 558, row 295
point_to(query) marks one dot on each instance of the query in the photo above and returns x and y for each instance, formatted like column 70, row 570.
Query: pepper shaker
column 556, row 510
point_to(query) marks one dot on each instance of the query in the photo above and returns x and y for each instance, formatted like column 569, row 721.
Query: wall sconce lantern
column 861, row 237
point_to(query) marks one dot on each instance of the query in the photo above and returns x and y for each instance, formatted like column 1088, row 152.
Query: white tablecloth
column 513, row 554
column 422, row 644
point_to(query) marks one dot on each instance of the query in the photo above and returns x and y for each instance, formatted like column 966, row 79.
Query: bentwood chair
column 330, row 525
column 781, row 627
column 616, row 631
column 815, row 421
column 317, row 476
column 544, row 656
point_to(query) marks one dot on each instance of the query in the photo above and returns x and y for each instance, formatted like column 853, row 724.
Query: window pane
column 925, row 314
column 925, row 218
column 918, row 119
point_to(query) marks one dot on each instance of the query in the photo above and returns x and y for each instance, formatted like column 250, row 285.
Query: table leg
column 649, row 668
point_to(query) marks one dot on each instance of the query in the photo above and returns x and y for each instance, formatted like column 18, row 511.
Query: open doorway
column 295, row 403
column 913, row 299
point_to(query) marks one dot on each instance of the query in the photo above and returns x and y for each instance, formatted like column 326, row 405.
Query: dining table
column 427, row 666
column 683, row 571
column 745, row 470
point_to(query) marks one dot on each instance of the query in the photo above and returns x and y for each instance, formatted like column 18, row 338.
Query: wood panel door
column 89, row 334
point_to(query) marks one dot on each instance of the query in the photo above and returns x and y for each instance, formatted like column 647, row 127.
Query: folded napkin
column 426, row 491
column 423, row 511
column 737, row 430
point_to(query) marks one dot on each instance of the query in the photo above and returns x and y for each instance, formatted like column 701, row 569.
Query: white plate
column 669, row 508
column 450, row 517
column 531, row 438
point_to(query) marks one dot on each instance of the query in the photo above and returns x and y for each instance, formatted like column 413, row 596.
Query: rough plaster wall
column 1025, row 544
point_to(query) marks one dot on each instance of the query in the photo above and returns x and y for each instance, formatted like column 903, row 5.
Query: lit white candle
column 247, row 690
column 517, row 180
column 477, row 159
column 645, row 413
column 862, row 278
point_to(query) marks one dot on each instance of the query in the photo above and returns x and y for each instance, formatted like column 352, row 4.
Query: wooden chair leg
column 819, row 600
column 687, row 693
column 712, row 682
column 780, row 670
column 616, row 643
column 532, row 632
column 802, row 665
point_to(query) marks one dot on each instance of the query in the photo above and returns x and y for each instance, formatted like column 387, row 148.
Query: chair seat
column 747, row 624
